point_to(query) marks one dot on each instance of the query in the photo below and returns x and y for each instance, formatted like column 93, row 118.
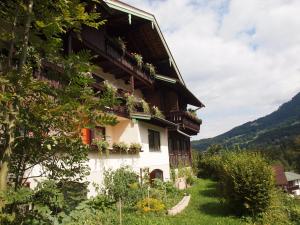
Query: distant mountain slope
column 280, row 125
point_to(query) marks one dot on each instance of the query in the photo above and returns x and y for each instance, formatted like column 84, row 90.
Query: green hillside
column 272, row 131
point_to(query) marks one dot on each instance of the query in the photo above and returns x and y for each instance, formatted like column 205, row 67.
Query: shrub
column 282, row 210
column 118, row 184
column 210, row 166
column 190, row 179
column 95, row 211
column 150, row 205
column 246, row 182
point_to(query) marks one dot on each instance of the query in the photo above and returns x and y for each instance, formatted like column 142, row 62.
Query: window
column 154, row 140
column 98, row 133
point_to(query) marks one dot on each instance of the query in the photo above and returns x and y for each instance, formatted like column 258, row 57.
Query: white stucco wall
column 128, row 132
column 297, row 191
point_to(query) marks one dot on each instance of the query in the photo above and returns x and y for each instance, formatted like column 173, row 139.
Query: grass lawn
column 204, row 208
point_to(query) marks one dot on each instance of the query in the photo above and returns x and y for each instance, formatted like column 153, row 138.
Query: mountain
column 279, row 127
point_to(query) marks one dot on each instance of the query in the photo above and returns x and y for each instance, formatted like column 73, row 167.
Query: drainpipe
column 179, row 131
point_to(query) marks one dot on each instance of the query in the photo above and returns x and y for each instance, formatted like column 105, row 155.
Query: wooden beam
column 132, row 84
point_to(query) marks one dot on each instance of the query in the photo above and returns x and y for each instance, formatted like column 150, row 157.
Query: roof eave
column 148, row 16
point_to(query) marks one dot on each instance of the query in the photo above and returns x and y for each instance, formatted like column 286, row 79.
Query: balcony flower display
column 120, row 147
column 138, row 59
column 134, row 148
column 102, row 145
column 151, row 69
column 157, row 112
column 121, row 44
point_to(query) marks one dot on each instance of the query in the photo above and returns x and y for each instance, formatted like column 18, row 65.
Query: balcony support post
column 132, row 84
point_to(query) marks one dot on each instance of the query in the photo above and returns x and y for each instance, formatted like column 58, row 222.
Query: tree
column 41, row 118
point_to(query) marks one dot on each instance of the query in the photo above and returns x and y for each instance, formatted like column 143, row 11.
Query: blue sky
column 240, row 57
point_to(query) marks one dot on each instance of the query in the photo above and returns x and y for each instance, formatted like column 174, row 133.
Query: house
column 164, row 134
column 280, row 178
column 293, row 182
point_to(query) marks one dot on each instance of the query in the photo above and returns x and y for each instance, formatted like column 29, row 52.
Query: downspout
column 180, row 132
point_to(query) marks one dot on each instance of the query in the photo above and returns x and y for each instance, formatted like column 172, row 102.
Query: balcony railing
column 186, row 121
column 293, row 188
column 109, row 49
column 177, row 159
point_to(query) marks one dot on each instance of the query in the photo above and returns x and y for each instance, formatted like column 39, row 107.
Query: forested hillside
column 277, row 134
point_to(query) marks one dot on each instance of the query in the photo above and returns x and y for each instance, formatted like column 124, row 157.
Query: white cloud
column 241, row 58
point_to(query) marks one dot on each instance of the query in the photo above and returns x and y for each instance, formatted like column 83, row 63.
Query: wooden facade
column 143, row 36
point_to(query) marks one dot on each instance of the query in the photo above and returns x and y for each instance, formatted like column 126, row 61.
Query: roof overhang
column 153, row 120
column 130, row 10
column 178, row 86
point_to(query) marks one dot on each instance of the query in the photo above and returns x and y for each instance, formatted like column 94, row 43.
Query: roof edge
column 118, row 5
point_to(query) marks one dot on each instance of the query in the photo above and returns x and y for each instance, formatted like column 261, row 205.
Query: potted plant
column 192, row 112
column 157, row 112
column 102, row 145
column 120, row 147
column 135, row 148
column 138, row 59
column 146, row 107
column 130, row 102
column 151, row 69
column 121, row 44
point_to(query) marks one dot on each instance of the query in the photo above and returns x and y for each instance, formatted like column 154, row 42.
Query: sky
column 241, row 58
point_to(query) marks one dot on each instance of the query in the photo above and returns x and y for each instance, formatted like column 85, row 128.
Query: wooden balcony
column 178, row 159
column 113, row 59
column 293, row 188
column 187, row 122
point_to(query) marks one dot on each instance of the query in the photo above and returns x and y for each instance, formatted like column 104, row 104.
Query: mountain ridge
column 266, row 130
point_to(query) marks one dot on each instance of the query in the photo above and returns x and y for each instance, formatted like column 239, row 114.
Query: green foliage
column 109, row 96
column 102, row 145
column 131, row 103
column 210, row 166
column 247, row 182
column 121, row 44
column 93, row 211
column 118, row 185
column 41, row 116
column 138, row 59
column 282, row 210
column 74, row 193
column 46, row 204
column 275, row 135
column 157, row 112
column 135, row 148
column 150, row 205
column 151, row 69
column 192, row 112
column 120, row 147
column 146, row 107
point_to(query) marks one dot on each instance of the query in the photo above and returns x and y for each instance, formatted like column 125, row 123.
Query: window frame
column 153, row 140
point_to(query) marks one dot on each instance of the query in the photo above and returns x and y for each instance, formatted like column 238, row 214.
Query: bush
column 246, row 182
column 210, row 166
column 282, row 210
column 94, row 211
column 150, row 205
column 120, row 184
